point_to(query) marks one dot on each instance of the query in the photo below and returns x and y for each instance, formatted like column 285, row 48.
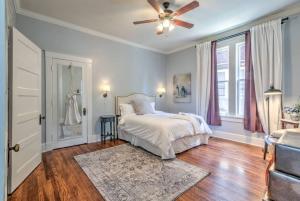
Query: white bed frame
column 179, row 145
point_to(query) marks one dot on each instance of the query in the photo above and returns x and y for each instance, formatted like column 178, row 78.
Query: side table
column 111, row 120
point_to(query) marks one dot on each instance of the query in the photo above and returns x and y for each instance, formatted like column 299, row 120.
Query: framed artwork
column 182, row 88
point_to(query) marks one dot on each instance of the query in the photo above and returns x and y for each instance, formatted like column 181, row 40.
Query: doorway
column 67, row 100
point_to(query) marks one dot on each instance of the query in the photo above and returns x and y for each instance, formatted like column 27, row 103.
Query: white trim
column 91, row 139
column 55, row 55
column 182, row 48
column 235, row 119
column 10, row 13
column 94, row 138
column 46, row 147
column 245, row 139
column 17, row 4
column 62, row 23
column 51, row 57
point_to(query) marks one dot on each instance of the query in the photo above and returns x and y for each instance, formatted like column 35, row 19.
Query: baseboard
column 259, row 142
column 46, row 147
column 91, row 139
column 94, row 138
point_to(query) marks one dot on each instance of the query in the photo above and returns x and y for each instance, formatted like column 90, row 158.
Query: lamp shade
column 106, row 88
column 272, row 91
column 161, row 90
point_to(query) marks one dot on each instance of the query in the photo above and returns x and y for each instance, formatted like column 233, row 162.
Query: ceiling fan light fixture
column 171, row 27
column 160, row 27
column 166, row 23
column 167, row 18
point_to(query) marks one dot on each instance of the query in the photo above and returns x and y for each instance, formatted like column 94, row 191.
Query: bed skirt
column 179, row 145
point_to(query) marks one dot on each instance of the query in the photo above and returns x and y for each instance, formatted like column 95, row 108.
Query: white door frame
column 50, row 58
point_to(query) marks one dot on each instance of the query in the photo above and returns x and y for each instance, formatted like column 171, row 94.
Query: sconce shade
column 272, row 91
column 106, row 88
column 161, row 90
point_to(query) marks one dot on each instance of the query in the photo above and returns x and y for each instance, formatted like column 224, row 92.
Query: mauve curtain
column 251, row 117
column 213, row 114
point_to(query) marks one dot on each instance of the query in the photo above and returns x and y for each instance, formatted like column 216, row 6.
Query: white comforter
column 161, row 129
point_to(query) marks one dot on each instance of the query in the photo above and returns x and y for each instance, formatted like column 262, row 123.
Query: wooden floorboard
column 237, row 174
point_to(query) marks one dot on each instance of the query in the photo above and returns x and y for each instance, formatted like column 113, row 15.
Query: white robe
column 72, row 111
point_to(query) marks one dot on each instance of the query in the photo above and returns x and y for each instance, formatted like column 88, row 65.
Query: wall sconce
column 105, row 89
column 161, row 91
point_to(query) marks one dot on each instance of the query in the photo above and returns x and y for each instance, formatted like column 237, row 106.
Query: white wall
column 127, row 69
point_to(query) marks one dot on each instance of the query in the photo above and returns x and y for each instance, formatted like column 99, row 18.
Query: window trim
column 237, row 80
column 232, row 114
column 222, row 49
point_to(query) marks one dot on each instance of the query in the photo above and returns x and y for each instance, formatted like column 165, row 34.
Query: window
column 223, row 78
column 240, row 78
column 231, row 76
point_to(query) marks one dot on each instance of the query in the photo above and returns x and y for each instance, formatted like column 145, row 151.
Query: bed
column 163, row 134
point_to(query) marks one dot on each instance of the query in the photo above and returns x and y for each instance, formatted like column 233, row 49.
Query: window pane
column 223, row 78
column 240, row 49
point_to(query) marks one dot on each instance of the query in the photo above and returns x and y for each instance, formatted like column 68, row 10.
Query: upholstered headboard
column 129, row 98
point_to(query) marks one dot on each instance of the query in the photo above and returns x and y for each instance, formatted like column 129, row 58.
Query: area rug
column 127, row 173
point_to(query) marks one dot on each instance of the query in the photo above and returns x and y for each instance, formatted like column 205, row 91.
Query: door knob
column 15, row 148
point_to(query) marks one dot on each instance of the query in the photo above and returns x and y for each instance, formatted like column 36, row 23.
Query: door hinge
column 84, row 111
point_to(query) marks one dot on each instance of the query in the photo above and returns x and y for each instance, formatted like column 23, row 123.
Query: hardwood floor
column 237, row 174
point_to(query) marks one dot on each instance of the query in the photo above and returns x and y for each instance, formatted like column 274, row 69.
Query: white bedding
column 161, row 129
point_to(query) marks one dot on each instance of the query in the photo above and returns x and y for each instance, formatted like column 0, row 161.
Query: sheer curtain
column 213, row 113
column 266, row 49
column 203, row 78
column 251, row 117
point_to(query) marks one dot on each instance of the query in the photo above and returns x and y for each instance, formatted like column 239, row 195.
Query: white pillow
column 126, row 109
column 142, row 107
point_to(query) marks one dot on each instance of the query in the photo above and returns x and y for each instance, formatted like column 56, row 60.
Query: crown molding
column 182, row 48
column 62, row 23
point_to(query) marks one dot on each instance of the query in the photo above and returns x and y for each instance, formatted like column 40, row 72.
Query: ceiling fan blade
column 183, row 24
column 145, row 21
column 186, row 8
column 155, row 5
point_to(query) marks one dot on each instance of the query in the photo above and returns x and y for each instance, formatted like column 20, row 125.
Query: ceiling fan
column 167, row 18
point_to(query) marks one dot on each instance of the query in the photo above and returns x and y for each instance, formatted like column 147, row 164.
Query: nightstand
column 111, row 121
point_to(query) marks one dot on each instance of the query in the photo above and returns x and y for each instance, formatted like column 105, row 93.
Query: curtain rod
column 242, row 33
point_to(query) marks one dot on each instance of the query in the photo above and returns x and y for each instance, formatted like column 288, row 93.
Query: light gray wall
column 127, row 69
column 291, row 83
column 185, row 61
column 177, row 63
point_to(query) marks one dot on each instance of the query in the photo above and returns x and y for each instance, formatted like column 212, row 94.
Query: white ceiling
column 115, row 17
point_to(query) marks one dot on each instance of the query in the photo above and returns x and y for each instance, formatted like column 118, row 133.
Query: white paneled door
column 25, row 109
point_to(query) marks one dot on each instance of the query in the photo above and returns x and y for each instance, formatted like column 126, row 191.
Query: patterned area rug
column 127, row 173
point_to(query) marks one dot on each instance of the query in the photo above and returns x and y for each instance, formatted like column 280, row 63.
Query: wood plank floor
column 237, row 174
